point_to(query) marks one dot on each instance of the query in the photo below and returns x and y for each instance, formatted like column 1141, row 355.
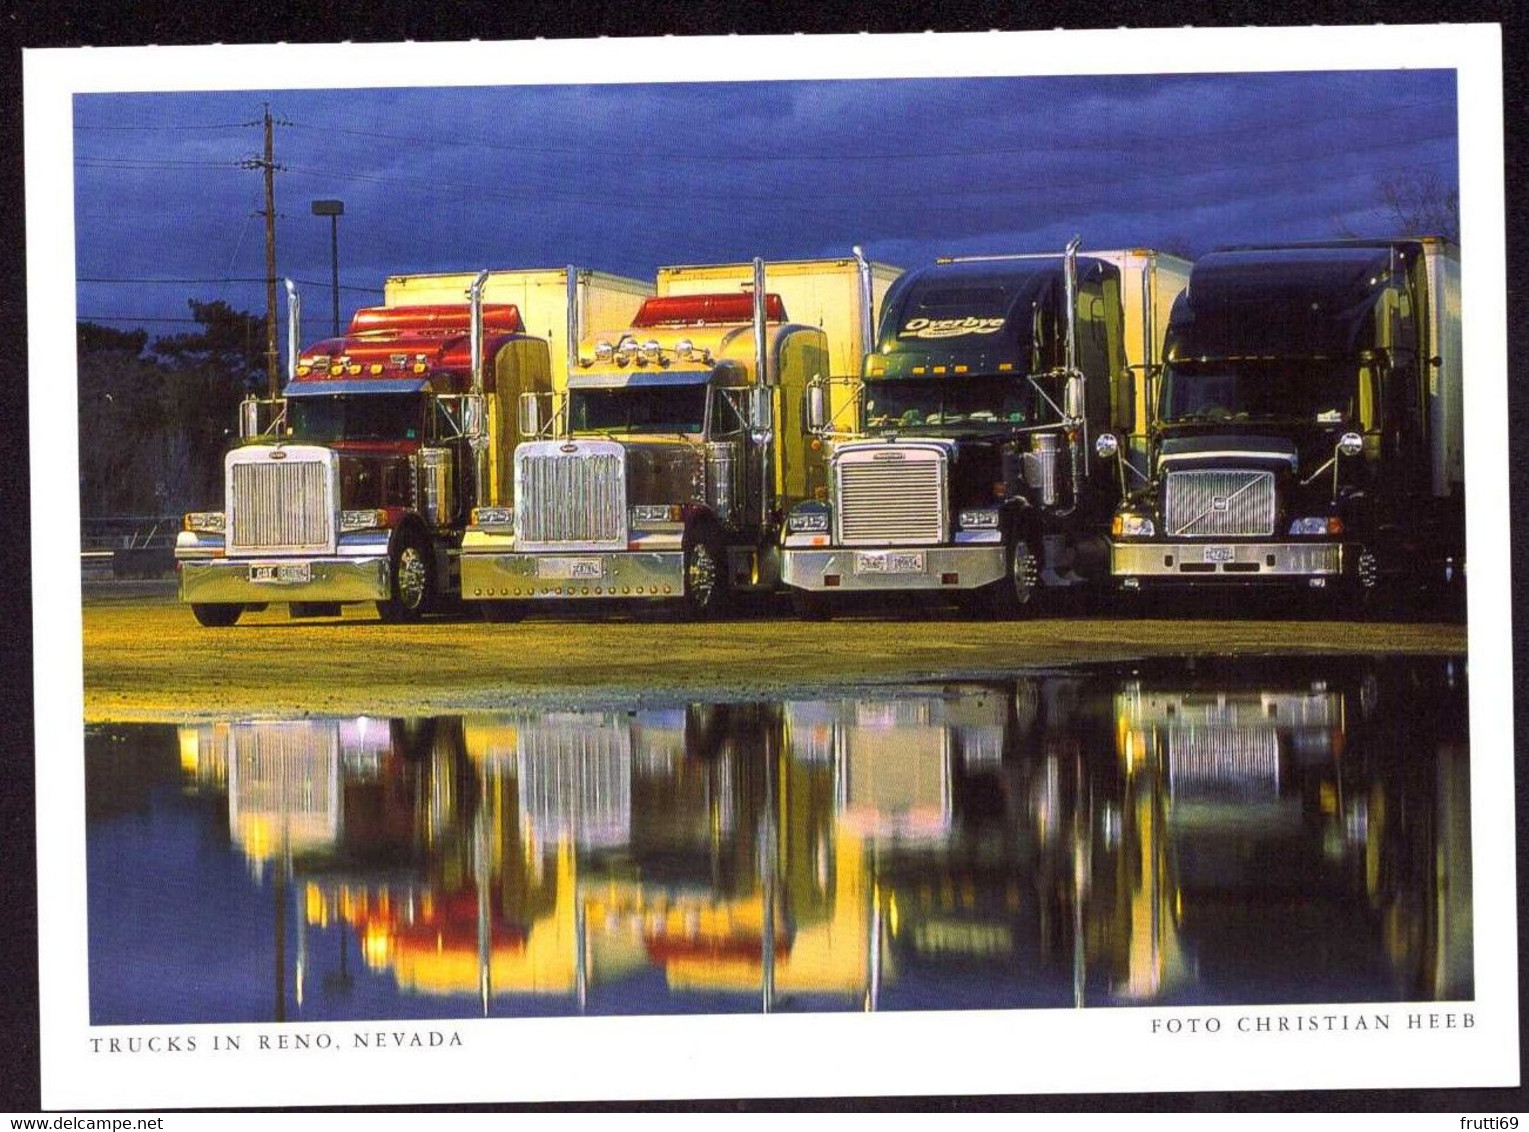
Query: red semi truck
column 356, row 484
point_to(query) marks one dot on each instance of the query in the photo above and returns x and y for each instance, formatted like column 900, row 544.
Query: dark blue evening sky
column 625, row 178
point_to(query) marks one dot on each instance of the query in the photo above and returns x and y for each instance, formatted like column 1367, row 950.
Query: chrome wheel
column 705, row 585
column 1024, row 575
column 1016, row 595
column 413, row 578
column 701, row 575
column 413, row 581
column 1368, row 569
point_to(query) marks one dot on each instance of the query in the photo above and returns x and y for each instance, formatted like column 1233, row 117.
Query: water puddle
column 1281, row 831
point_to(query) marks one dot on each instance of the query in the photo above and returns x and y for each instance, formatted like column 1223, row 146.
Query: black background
column 177, row 22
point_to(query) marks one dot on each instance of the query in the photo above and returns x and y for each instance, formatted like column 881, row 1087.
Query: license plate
column 889, row 562
column 278, row 572
column 570, row 569
column 1220, row 554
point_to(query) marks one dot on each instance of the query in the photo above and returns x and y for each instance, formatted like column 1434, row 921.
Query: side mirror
column 474, row 416
column 817, row 407
column 1350, row 444
column 762, row 408
column 1106, row 445
column 528, row 415
column 1074, row 397
column 249, row 418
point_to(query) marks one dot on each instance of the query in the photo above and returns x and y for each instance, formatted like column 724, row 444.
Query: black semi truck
column 1307, row 430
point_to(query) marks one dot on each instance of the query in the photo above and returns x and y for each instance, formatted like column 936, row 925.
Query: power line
column 831, row 197
column 176, row 126
column 137, row 318
column 223, row 279
column 96, row 161
column 1128, row 145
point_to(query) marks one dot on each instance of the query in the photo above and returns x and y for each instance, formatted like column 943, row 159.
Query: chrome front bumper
column 1227, row 563
column 595, row 574
column 218, row 581
column 900, row 568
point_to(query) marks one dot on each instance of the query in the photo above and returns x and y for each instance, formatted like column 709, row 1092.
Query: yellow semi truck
column 667, row 468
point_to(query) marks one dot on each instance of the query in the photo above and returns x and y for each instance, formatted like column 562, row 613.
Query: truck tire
column 809, row 606
column 215, row 616
column 1018, row 593
column 412, row 739
column 503, row 612
column 412, row 571
column 1367, row 595
column 705, row 573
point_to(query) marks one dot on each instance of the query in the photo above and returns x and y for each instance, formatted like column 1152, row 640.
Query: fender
column 411, row 523
column 693, row 513
column 1018, row 517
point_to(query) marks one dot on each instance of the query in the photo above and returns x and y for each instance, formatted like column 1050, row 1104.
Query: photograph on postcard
column 986, row 545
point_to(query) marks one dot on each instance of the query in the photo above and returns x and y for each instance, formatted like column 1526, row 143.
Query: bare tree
column 1410, row 204
column 1421, row 204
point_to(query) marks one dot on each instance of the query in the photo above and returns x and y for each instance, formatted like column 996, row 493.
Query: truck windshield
column 1309, row 389
column 978, row 402
column 365, row 416
column 645, row 409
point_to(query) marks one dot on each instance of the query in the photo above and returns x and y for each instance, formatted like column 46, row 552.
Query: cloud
column 625, row 178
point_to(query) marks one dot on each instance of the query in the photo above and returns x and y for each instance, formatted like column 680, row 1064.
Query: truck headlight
column 366, row 520
column 1317, row 525
column 985, row 519
column 807, row 522
column 655, row 513
column 492, row 517
column 1127, row 525
column 211, row 522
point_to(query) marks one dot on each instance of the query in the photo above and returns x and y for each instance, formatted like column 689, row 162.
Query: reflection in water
column 1252, row 833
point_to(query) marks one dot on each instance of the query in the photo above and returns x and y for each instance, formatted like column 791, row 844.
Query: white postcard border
column 1031, row 1051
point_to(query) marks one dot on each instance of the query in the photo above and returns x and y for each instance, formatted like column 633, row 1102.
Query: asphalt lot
column 145, row 658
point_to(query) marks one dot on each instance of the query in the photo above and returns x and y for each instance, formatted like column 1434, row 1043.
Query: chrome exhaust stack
column 867, row 315
column 1076, row 391
column 760, row 426
column 573, row 317
column 294, row 327
column 475, row 328
column 474, row 409
column 761, row 359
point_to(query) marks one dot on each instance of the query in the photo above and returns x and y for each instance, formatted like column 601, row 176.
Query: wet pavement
column 1256, row 831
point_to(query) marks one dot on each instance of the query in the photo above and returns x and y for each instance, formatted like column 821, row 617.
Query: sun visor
column 1308, row 302
column 340, row 387
column 638, row 379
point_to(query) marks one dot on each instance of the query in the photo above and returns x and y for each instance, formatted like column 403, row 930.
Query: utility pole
column 270, row 259
column 267, row 164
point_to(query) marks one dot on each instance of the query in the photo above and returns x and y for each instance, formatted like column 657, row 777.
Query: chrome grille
column 570, row 499
column 574, row 779
column 1213, row 504
column 1223, row 763
column 891, row 501
column 283, row 786
column 280, row 506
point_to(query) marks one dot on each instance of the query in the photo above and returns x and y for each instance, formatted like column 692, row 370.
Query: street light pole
column 334, row 209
